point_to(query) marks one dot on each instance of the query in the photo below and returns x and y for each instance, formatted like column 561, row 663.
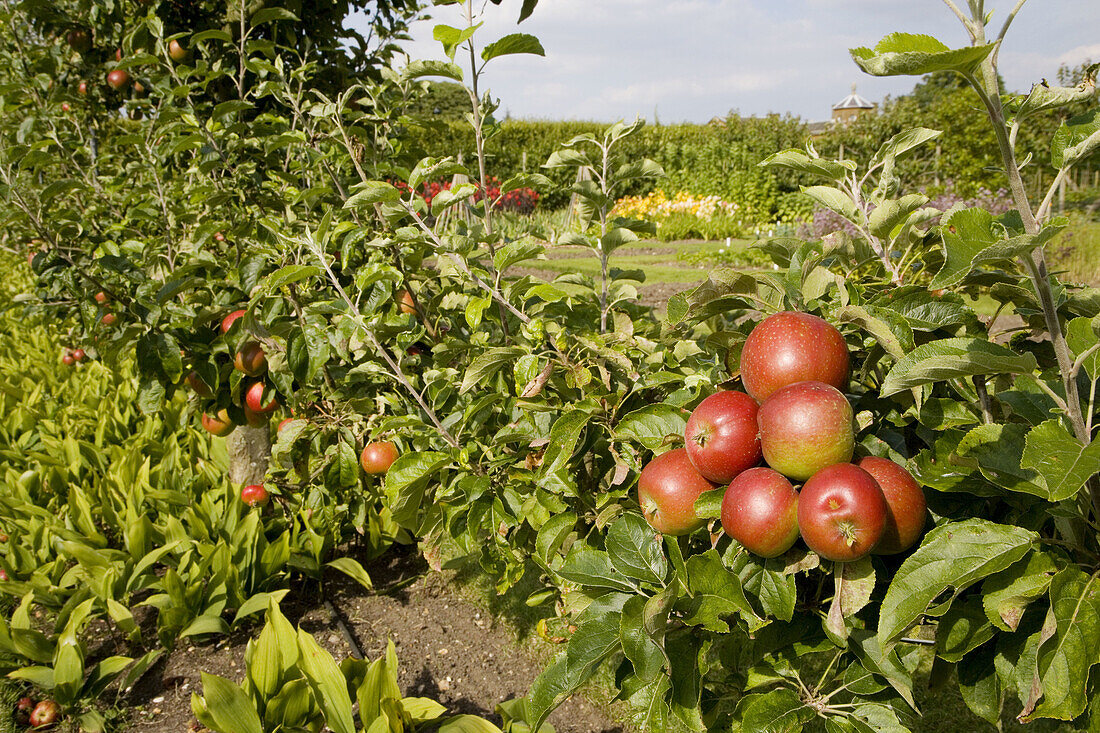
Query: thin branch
column 1081, row 360
column 1009, row 19
column 961, row 16
column 983, row 398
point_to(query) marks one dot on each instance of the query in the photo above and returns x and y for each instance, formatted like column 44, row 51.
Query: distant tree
column 444, row 101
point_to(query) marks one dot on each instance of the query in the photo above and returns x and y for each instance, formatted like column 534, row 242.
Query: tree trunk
column 249, row 453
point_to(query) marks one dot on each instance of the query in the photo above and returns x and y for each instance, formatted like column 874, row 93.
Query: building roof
column 853, row 101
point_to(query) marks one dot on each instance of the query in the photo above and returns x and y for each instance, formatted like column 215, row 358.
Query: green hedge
column 718, row 158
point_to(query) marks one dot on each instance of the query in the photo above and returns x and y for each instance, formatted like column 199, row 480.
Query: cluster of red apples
column 37, row 714
column 797, row 420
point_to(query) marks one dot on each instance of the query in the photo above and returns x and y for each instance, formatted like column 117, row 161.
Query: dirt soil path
column 449, row 649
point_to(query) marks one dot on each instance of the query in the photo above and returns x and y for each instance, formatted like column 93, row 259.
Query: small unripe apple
column 79, row 354
column 118, row 79
column 377, row 457
column 254, row 399
column 229, row 320
column 109, row 319
column 118, row 54
column 80, row 39
column 255, row 495
column 45, row 714
column 251, row 360
column 220, row 425
column 667, row 489
column 101, row 298
column 65, row 107
column 139, row 89
column 219, row 237
column 82, row 88
column 23, row 710
column 804, row 428
column 3, row 574
column 176, row 51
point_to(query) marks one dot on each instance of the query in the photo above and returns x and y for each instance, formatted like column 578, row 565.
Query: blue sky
column 696, row 59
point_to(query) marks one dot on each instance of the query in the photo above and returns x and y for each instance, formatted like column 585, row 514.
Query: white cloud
column 694, row 59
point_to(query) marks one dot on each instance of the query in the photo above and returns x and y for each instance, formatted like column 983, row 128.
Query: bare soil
column 449, row 648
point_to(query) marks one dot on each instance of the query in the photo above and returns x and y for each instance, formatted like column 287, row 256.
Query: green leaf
column 777, row 711
column 487, row 364
column 353, row 569
column 563, row 440
column 650, row 425
column 893, row 213
column 916, row 55
column 467, row 724
column 286, row 276
column 268, row 15
column 799, row 161
column 962, row 629
column 1007, row 594
column 406, row 482
column 592, row 568
column 853, row 583
column 452, row 38
column 952, row 557
column 835, row 200
column 969, row 241
column 1066, row 658
column 422, row 68
column 715, row 592
column 636, row 549
column 891, row 331
column 453, row 196
column 640, row 642
column 997, row 449
column 370, row 193
column 513, row 43
column 953, row 358
column 1075, row 140
column 1062, row 461
column 903, row 142
column 229, row 706
column 980, row 685
column 1081, row 337
column 327, row 682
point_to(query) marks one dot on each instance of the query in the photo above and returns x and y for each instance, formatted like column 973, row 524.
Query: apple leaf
column 406, row 483
column 952, row 557
column 1064, row 660
column 636, row 550
column 1075, row 139
column 512, row 44
column 716, row 592
column 962, row 629
column 777, row 711
column 952, row 358
column 593, row 568
column 908, row 54
column 797, row 160
column 639, row 645
column 969, row 241
column 422, row 68
column 650, row 425
column 997, row 449
column 835, row 200
column 1006, row 594
column 1063, row 462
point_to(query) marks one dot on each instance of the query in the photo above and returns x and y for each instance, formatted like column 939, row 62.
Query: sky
column 692, row 60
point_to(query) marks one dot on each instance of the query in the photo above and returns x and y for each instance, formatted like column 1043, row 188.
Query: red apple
column 842, row 513
column 405, row 299
column 80, row 39
column 255, row 495
column 23, row 710
column 284, row 423
column 176, row 51
column 906, row 507
column 251, row 360
column 377, row 457
column 254, row 399
column 219, row 425
column 219, row 237
column 139, row 89
column 119, row 79
column 760, row 510
column 65, row 107
column 791, row 347
column 3, row 574
column 194, row 381
column 78, row 354
column 118, row 54
column 68, row 359
column 721, row 437
column 109, row 319
column 82, row 88
column 229, row 320
column 667, row 489
column 805, row 427
column 45, row 714
column 101, row 297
